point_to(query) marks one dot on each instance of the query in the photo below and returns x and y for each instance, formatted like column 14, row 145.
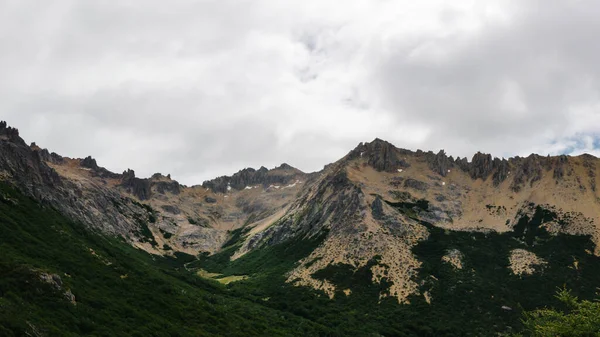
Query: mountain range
column 384, row 241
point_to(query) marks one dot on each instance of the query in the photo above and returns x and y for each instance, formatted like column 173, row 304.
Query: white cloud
column 204, row 88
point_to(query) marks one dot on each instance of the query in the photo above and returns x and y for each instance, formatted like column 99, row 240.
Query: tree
column 580, row 318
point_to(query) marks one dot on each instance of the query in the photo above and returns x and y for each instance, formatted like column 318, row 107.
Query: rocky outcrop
column 377, row 209
column 56, row 282
column 89, row 162
column 164, row 184
column 481, row 166
column 139, row 187
column 282, row 175
column 11, row 134
column 528, row 170
column 502, row 171
column 98, row 207
column 334, row 201
column 415, row 184
column 380, row 155
column 440, row 163
column 559, row 168
column 46, row 156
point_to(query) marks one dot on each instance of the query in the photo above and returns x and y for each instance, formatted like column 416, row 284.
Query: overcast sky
column 199, row 89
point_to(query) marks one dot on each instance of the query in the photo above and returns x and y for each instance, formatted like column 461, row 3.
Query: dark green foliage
column 530, row 230
column 145, row 234
column 165, row 235
column 120, row 291
column 235, row 236
column 579, row 318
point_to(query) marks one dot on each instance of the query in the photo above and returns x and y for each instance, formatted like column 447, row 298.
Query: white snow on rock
column 249, row 187
column 443, row 183
column 400, row 170
column 294, row 184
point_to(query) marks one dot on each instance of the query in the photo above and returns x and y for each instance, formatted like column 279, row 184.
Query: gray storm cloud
column 204, row 88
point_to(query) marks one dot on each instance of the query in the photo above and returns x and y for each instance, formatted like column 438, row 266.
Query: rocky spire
column 440, row 163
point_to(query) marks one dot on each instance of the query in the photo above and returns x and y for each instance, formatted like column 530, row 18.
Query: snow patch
column 294, row 184
column 400, row 170
column 443, row 183
column 249, row 187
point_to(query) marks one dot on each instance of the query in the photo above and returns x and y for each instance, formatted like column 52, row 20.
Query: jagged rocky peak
column 286, row 167
column 481, row 166
column 280, row 175
column 160, row 176
column 45, row 155
column 380, row 155
column 89, row 162
column 163, row 184
column 440, row 163
column 10, row 133
column 528, row 170
column 139, row 187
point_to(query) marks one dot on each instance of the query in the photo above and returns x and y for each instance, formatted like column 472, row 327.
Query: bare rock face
column 56, row 282
column 381, row 155
column 10, row 133
column 136, row 186
column 25, row 166
column 502, row 171
column 481, row 166
column 94, row 205
column 282, row 175
column 164, row 184
column 440, row 163
column 529, row 170
column 559, row 168
column 90, row 163
column 377, row 209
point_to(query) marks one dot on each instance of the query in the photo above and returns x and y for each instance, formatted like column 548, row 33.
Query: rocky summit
column 410, row 243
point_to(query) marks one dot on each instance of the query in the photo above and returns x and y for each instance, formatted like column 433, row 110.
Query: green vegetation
column 578, row 318
column 482, row 299
column 119, row 290
column 123, row 291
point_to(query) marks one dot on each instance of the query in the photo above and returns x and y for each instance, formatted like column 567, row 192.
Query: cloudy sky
column 204, row 88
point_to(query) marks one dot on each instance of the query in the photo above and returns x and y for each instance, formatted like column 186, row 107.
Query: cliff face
column 249, row 177
column 31, row 170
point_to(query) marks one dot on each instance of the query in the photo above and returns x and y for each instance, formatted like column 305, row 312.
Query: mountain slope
column 58, row 279
column 453, row 247
column 378, row 200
